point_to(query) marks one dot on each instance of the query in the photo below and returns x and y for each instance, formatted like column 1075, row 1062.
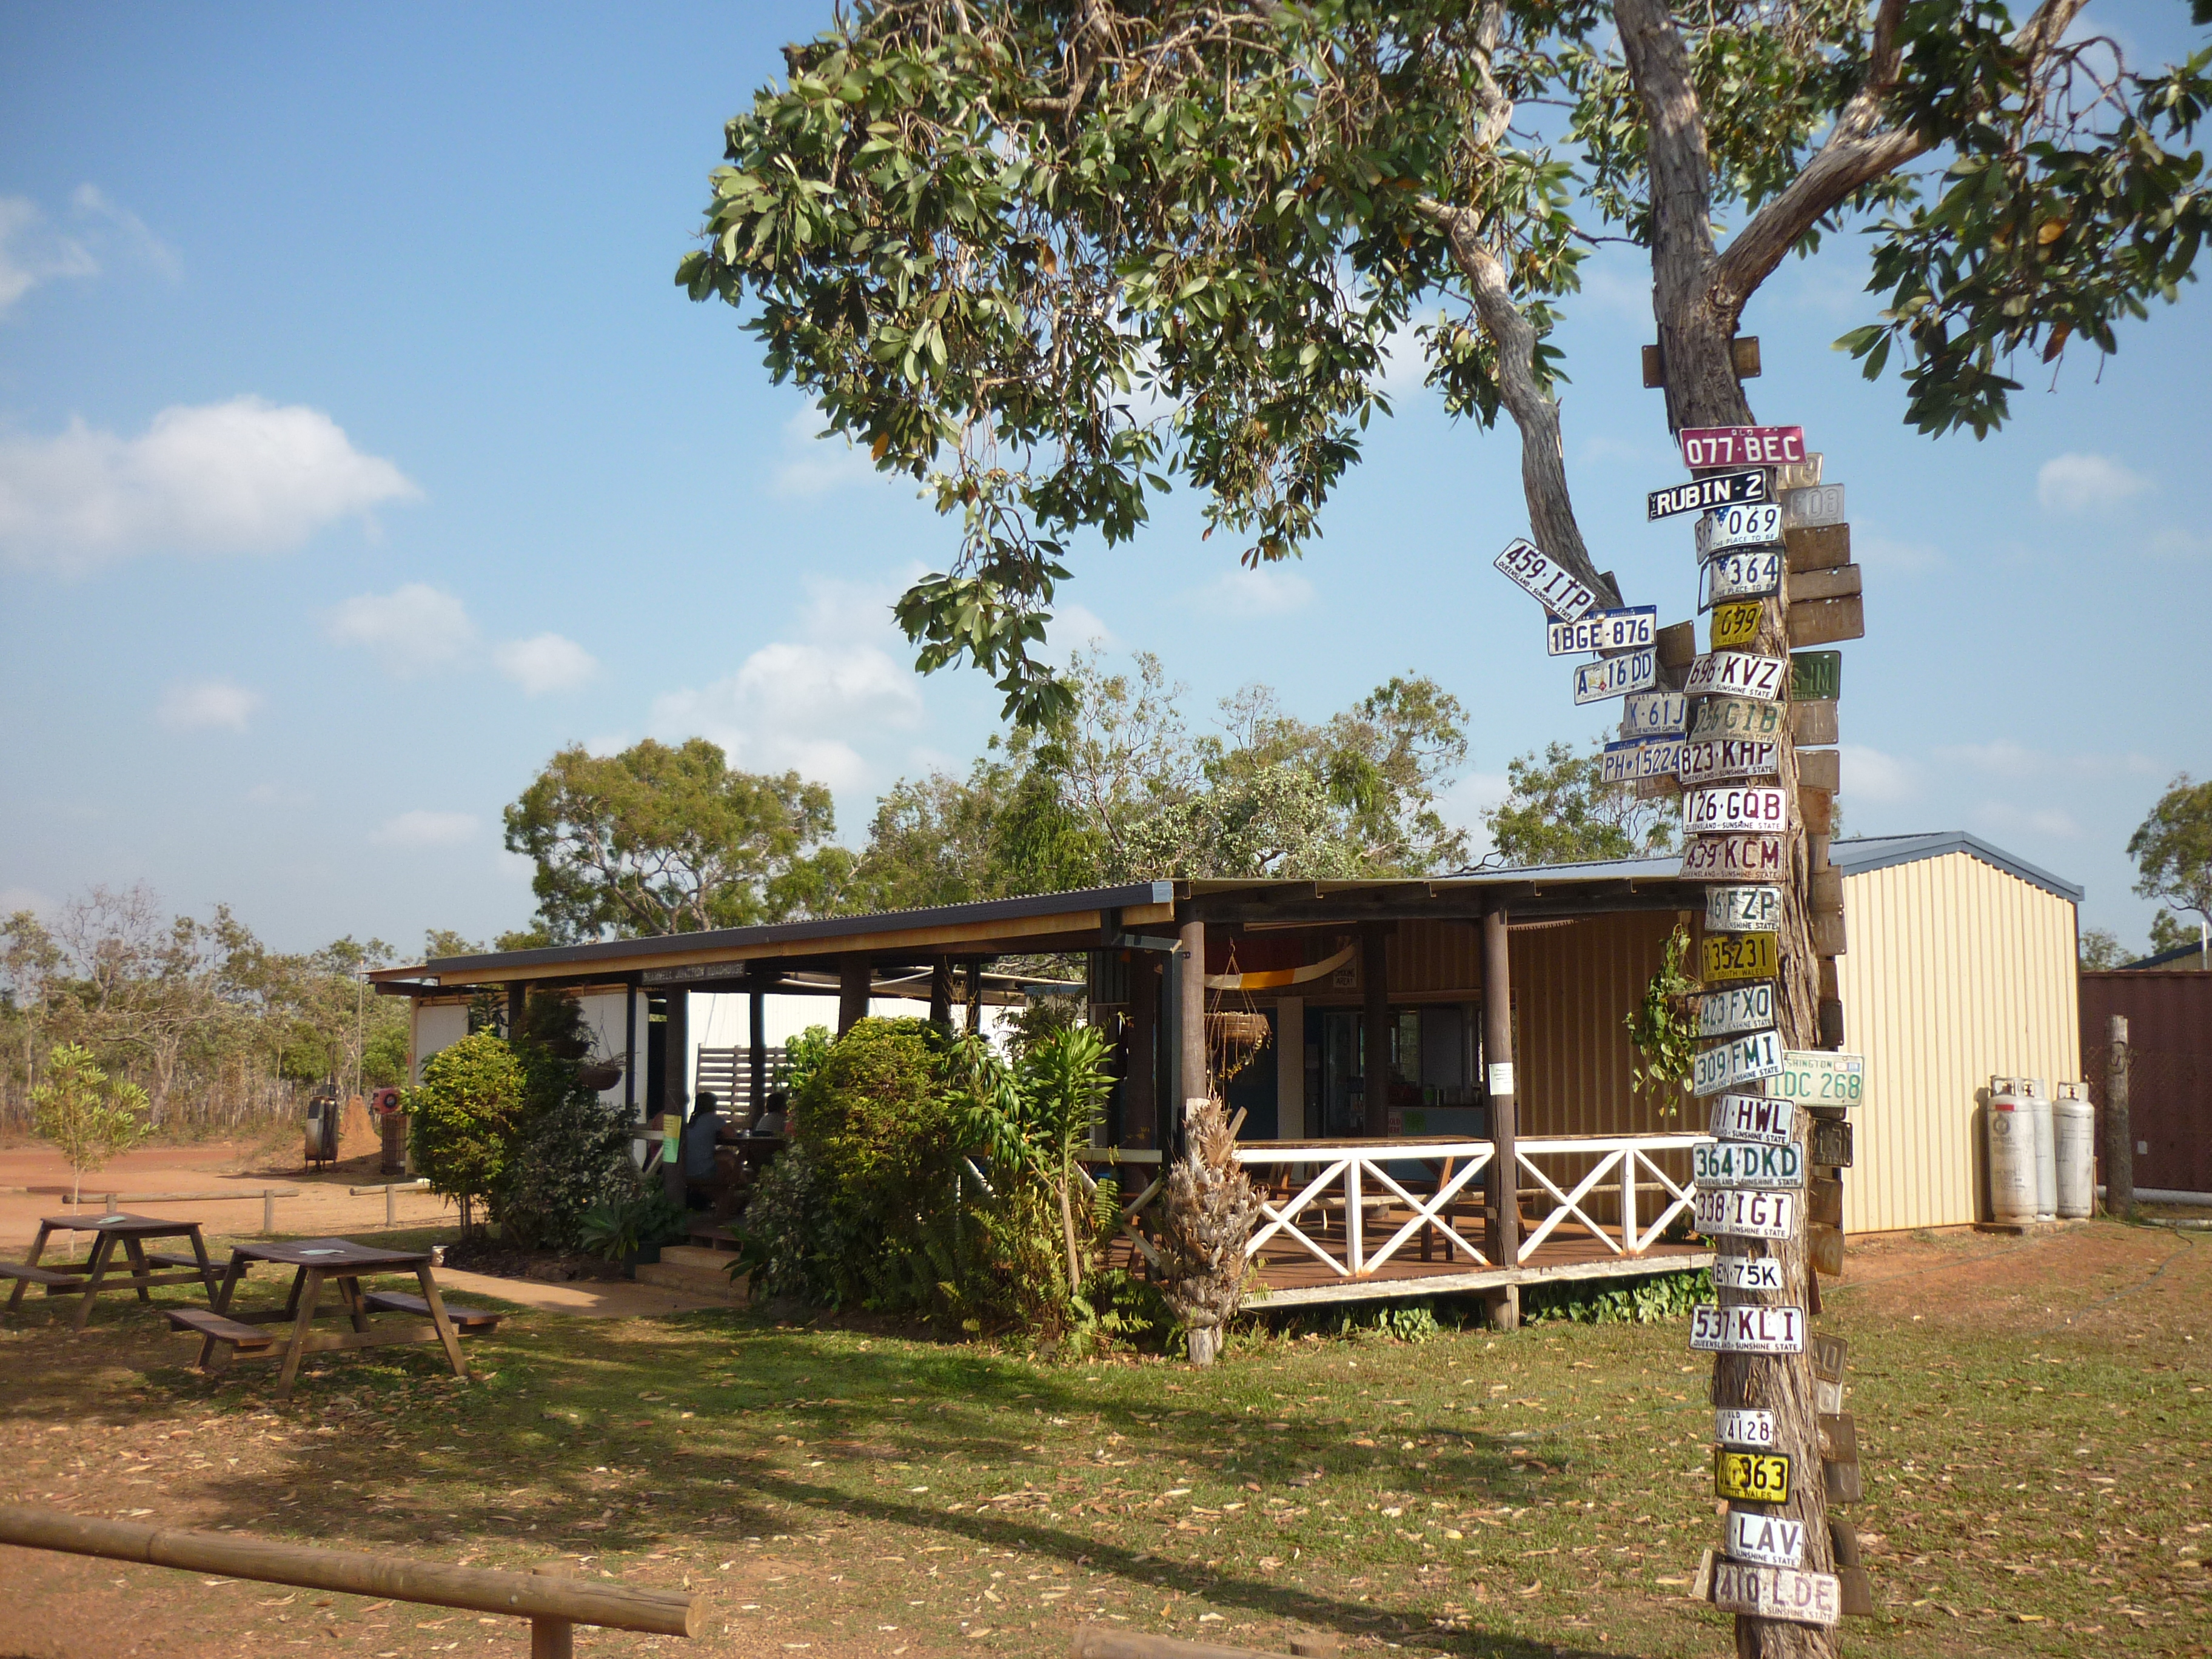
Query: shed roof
column 1864, row 852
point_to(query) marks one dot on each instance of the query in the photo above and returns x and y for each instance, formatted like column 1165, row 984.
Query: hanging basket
column 1233, row 1037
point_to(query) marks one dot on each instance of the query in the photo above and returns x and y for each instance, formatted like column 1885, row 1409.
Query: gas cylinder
column 2011, row 1153
column 2036, row 1102
column 2074, row 1143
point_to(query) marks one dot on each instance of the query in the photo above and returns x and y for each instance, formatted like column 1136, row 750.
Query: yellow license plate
column 1736, row 625
column 1740, row 955
column 1751, row 1477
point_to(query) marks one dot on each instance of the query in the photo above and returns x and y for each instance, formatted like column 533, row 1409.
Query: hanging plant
column 1663, row 1027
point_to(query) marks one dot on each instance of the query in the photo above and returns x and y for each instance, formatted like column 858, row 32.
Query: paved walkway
column 588, row 1298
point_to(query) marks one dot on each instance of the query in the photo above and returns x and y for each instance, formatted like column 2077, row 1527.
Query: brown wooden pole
column 757, row 1053
column 1191, row 1080
column 517, row 1005
column 350, row 1572
column 974, row 976
column 675, row 1089
column 940, row 992
column 1374, row 1030
column 2119, row 1135
column 853, row 976
column 1140, row 1089
column 552, row 1638
column 1503, row 1230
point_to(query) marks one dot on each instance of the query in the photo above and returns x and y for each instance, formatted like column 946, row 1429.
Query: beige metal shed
column 1962, row 964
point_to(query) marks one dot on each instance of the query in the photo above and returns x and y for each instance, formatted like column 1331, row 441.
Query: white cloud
column 34, row 249
column 242, row 477
column 412, row 630
column 2082, row 483
column 420, row 828
column 817, row 460
column 278, row 794
column 197, row 705
column 1271, row 590
column 2017, row 762
column 1907, row 558
column 1078, row 628
column 2002, row 817
column 546, row 662
column 1871, row 776
column 793, row 705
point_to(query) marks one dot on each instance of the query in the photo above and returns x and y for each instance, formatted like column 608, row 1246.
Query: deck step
column 696, row 1255
column 691, row 1278
column 714, row 1235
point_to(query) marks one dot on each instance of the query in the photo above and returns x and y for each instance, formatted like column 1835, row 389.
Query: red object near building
column 2169, row 1016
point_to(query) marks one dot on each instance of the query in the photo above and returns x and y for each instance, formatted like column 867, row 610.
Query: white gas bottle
column 2012, row 1153
column 2073, row 1145
column 2035, row 1101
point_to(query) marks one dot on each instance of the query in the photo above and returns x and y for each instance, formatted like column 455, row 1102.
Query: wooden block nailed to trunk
column 1819, row 769
column 1825, row 1245
column 1819, row 807
column 1825, row 621
column 1821, row 547
column 1857, row 1592
column 1827, row 931
column 1826, row 1208
column 1812, row 723
column 1827, row 889
column 1678, row 645
column 1831, row 1021
column 1835, row 583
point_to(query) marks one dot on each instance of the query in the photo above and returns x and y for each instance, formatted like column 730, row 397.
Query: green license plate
column 1751, row 1477
column 1740, row 955
column 1816, row 676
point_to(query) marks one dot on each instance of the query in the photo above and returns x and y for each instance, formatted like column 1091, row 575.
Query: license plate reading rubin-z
column 1746, row 1212
column 1785, row 1593
column 1527, row 569
column 1701, row 494
column 1603, row 630
column 1751, row 1477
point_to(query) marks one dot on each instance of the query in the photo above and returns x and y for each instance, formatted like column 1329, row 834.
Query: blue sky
column 356, row 451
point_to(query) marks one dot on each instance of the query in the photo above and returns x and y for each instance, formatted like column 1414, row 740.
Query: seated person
column 699, row 1137
column 771, row 1121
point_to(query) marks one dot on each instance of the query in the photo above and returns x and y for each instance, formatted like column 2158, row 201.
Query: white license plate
column 1768, row 1540
column 1744, row 1428
column 1710, row 759
column 1759, row 525
column 1721, row 812
column 1733, row 858
column 1739, row 717
column 1639, row 757
column 1822, row 504
column 1738, row 1061
column 1746, row 1164
column 1747, row 1273
column 1746, row 1212
column 1738, row 674
column 1654, row 715
column 1764, row 1118
column 1527, row 569
column 1707, row 446
column 1757, row 1328
column 1750, row 573
column 1603, row 630
column 1798, row 475
column 1818, row 1078
column 1743, row 910
column 1701, row 494
column 1735, row 1008
column 1616, row 677
column 1801, row 1598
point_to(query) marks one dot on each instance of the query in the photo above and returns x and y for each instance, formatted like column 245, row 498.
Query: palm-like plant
column 1034, row 1118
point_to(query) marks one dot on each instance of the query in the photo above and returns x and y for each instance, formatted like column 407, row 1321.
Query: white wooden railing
column 1366, row 1194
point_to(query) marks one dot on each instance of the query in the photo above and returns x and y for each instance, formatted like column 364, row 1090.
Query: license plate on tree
column 1746, row 1212
column 1724, row 812
column 1700, row 494
column 1705, row 447
column 1749, row 1477
column 1801, row 1598
column 1743, row 910
column 1737, row 674
column 1738, row 1061
column 1733, row 858
column 1736, row 623
column 1762, row 1118
column 1639, row 757
column 1603, row 630
column 1738, row 1008
column 1744, row 1428
column 1740, row 956
column 1767, row 1541
column 1746, row 1164
column 1748, row 1273
column 1716, row 760
column 1739, row 718
column 1654, row 715
column 1527, row 569
column 1725, row 527
column 1750, row 573
column 1755, row 1328
column 1818, row 1078
column 1810, row 508
column 1616, row 677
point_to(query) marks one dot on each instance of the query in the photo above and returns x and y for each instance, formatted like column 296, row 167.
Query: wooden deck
column 1293, row 1283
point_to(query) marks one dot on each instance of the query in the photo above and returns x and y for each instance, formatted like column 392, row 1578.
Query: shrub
column 462, row 1120
column 87, row 1118
column 1652, row 1301
column 570, row 1150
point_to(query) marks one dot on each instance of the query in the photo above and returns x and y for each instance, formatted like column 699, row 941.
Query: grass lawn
column 2032, row 1416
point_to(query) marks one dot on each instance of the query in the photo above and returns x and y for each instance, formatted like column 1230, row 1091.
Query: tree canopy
column 1047, row 257
column 1559, row 809
column 2172, row 851
column 662, row 839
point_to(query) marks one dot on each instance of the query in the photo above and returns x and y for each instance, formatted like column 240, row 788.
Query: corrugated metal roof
column 1864, row 852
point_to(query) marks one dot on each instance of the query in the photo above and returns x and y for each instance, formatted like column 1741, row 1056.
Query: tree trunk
column 2119, row 1143
column 1068, row 1230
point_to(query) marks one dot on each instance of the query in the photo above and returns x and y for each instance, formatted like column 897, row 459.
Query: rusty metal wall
column 1572, row 988
column 1428, row 956
column 2169, row 1013
column 1956, row 971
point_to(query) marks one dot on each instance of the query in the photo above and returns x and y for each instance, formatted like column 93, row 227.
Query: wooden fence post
column 268, row 1210
column 2120, row 1138
column 551, row 1637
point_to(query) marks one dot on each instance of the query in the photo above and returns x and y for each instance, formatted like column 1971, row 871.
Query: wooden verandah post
column 853, row 976
column 1504, row 1219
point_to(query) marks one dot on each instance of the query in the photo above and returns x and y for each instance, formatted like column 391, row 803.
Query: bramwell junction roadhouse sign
column 1718, row 728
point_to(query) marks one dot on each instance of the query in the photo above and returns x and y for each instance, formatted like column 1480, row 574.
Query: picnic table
column 89, row 1278
column 316, row 1262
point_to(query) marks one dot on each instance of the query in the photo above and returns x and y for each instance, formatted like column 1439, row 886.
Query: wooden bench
column 463, row 1320
column 214, row 1330
column 48, row 1277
